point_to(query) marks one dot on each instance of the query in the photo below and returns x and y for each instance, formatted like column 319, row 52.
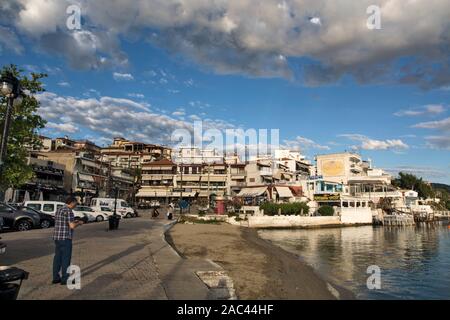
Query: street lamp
column 10, row 89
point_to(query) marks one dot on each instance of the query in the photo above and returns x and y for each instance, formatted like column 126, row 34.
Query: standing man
column 62, row 234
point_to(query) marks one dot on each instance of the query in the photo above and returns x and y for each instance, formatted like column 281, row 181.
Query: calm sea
column 414, row 261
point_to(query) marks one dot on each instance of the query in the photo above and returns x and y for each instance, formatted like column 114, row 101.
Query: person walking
column 62, row 235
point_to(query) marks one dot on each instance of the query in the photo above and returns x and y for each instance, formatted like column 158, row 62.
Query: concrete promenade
column 134, row 262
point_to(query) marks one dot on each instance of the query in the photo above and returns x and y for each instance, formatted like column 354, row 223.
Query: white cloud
column 372, row 144
column 443, row 125
column 302, row 143
column 63, row 84
column 248, row 36
column 122, row 76
column 179, row 113
column 431, row 109
column 62, row 127
column 136, row 95
column 429, row 173
column 109, row 117
column 438, row 142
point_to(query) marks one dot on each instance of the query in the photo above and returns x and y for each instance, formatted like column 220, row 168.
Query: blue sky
column 397, row 114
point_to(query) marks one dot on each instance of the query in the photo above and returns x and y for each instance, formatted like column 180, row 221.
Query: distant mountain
column 441, row 186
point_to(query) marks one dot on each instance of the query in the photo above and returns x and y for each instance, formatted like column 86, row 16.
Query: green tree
column 410, row 181
column 23, row 134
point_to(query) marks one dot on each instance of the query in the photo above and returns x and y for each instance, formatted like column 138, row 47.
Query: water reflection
column 414, row 261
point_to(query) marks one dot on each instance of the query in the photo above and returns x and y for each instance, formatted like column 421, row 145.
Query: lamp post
column 10, row 89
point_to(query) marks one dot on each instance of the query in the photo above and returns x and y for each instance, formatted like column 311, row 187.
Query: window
column 123, row 204
column 358, row 204
column 352, row 204
column 48, row 207
column 363, row 204
column 35, row 206
column 345, row 204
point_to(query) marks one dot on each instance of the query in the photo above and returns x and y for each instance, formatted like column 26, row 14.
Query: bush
column 326, row 211
column 288, row 209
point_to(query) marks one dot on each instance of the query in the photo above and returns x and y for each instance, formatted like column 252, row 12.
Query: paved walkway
column 134, row 262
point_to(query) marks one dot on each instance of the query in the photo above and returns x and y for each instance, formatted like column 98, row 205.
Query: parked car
column 50, row 207
column 92, row 214
column 122, row 207
column 46, row 221
column 18, row 219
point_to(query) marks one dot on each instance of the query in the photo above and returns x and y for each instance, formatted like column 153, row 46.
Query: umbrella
column 26, row 197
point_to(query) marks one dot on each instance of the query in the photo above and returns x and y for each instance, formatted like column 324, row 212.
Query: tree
column 23, row 134
column 410, row 181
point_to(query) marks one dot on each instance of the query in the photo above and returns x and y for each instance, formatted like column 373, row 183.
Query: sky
column 312, row 69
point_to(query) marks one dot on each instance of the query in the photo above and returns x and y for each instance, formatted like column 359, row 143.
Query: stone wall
column 291, row 221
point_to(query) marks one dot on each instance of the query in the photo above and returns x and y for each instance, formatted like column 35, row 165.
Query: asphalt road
column 134, row 262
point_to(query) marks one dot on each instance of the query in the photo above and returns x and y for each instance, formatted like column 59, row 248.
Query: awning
column 284, row 192
column 85, row 177
column 252, row 192
column 151, row 194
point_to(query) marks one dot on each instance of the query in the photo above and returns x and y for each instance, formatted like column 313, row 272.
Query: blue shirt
column 64, row 216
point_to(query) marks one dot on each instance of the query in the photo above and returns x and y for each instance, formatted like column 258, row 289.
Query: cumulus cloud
column 256, row 38
column 431, row 109
column 302, row 143
column 109, row 117
column 372, row 144
column 62, row 127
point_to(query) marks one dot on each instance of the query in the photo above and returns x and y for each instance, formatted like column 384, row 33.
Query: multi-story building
column 339, row 167
column 48, row 180
column 195, row 155
column 165, row 181
column 129, row 154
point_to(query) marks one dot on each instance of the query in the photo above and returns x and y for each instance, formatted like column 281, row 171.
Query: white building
column 195, row 155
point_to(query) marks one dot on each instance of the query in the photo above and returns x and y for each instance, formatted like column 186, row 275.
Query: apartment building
column 130, row 154
column 195, row 155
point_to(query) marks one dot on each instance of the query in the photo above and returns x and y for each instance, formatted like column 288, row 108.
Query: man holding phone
column 62, row 235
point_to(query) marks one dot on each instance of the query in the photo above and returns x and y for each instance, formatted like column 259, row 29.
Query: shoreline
column 259, row 269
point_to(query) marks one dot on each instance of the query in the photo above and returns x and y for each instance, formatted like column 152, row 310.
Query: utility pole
column 209, row 196
column 181, row 189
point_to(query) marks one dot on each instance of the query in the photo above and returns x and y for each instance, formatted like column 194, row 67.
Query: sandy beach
column 259, row 269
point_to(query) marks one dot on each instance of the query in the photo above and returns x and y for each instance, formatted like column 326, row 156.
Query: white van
column 50, row 207
column 123, row 208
